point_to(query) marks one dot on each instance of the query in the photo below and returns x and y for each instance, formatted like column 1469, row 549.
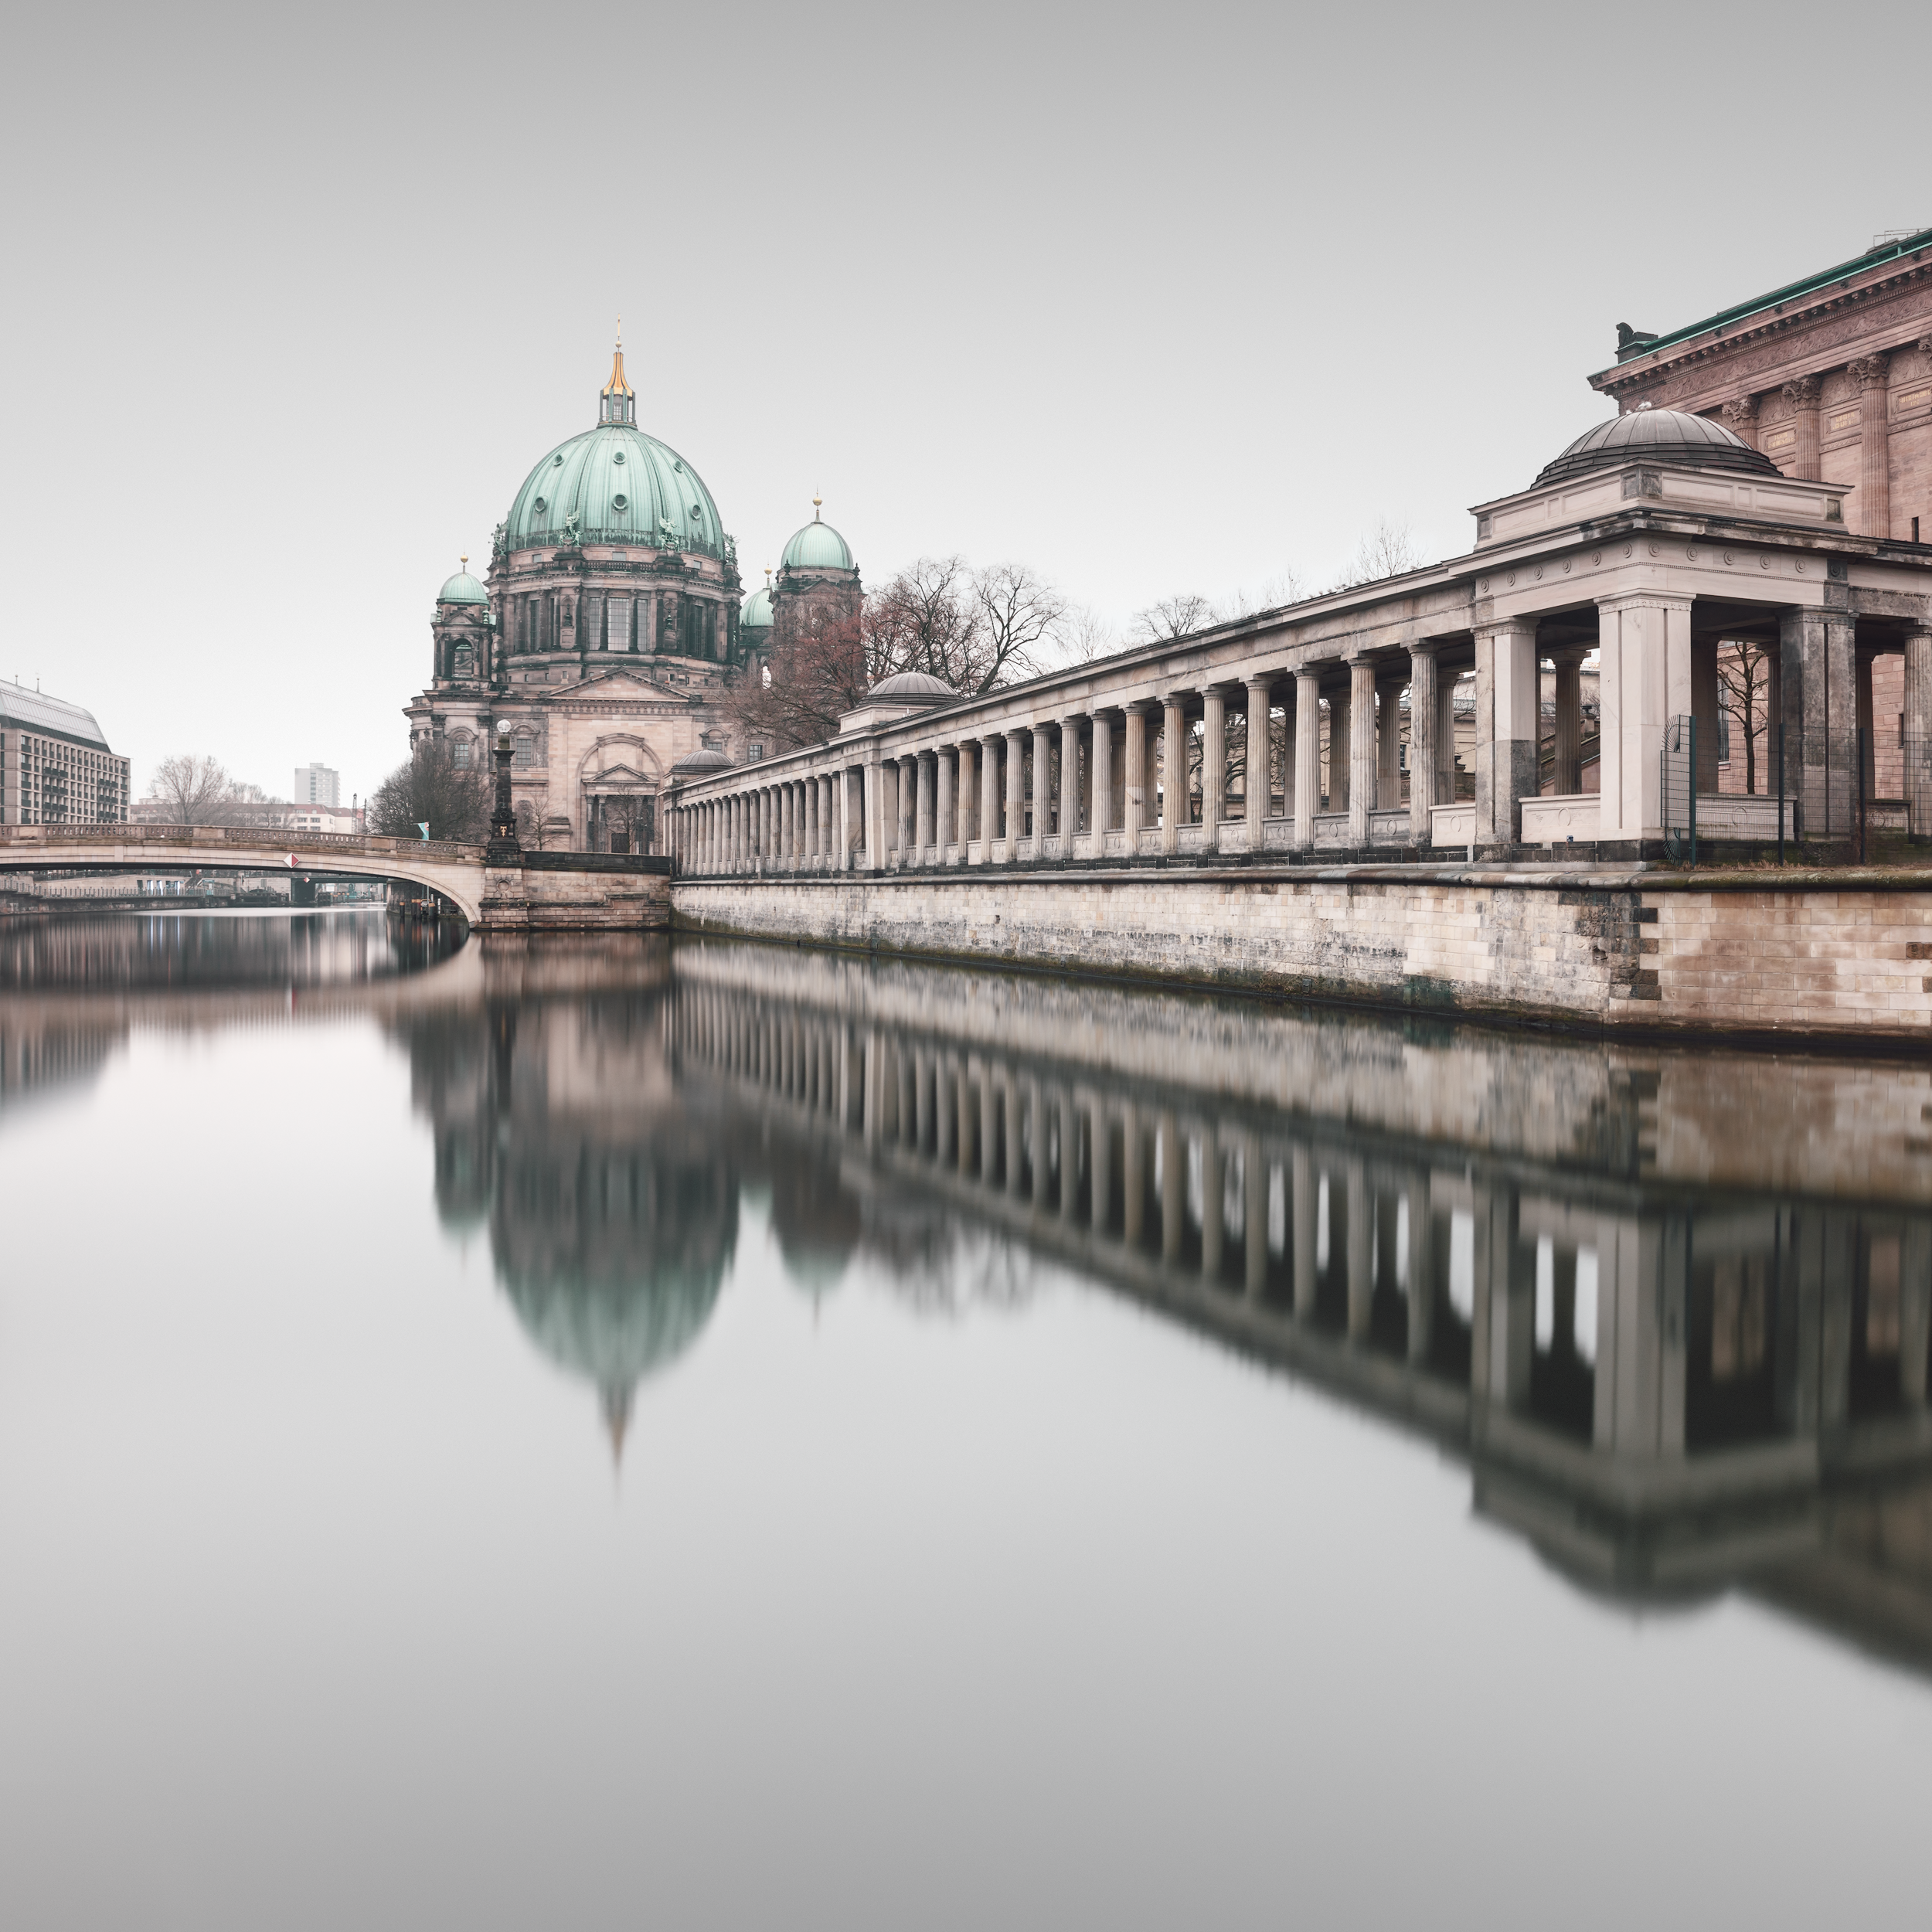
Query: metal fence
column 1848, row 794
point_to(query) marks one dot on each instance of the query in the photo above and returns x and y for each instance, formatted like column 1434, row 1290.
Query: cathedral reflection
column 1558, row 1261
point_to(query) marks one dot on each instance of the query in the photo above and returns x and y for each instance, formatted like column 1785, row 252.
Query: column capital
column 1308, row 673
column 1869, row 371
column 1740, row 409
column 1643, row 599
column 1560, row 654
column 1802, row 392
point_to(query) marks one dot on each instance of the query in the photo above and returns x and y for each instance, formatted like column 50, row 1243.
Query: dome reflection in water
column 1016, row 1387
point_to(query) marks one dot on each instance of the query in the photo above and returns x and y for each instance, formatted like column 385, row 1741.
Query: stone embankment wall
column 1840, row 954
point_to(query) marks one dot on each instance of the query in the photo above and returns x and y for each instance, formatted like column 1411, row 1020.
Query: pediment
column 613, row 687
column 619, row 775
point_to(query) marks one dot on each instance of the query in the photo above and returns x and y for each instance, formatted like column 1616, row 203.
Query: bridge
column 558, row 891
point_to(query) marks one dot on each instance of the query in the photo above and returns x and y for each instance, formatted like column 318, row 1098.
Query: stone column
column 1507, row 710
column 968, row 796
column 908, row 779
column 1704, row 703
column 1307, row 756
column 1568, row 779
column 1644, row 646
column 1873, row 501
column 1100, row 817
column 1259, row 773
column 1389, row 690
column 1340, row 741
column 1214, row 765
column 1070, row 784
column 827, row 857
column 875, row 810
column 1016, row 742
column 1042, row 790
column 925, row 764
column 1918, row 732
column 1362, row 748
column 943, row 831
column 788, row 823
column 1135, row 801
column 1817, row 658
column 1446, row 685
column 1740, row 418
column 809, row 842
column 1422, row 741
column 847, row 818
column 1803, row 395
column 989, row 753
column 1174, row 805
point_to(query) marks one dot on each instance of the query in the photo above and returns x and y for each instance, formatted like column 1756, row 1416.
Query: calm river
column 690, row 1434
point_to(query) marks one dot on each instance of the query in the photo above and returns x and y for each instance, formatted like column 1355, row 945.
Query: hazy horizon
column 1155, row 306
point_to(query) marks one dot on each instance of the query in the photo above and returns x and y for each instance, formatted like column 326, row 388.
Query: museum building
column 607, row 631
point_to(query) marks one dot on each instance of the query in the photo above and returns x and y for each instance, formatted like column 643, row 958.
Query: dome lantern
column 618, row 401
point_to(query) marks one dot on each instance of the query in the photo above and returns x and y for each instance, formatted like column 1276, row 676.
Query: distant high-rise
column 316, row 785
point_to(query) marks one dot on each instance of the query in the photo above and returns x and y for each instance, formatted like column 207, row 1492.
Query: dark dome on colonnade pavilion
column 1658, row 436
column 921, row 686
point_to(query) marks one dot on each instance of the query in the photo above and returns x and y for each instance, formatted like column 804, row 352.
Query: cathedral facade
column 607, row 632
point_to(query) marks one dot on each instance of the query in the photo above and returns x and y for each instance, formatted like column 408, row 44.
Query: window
column 460, row 751
column 755, row 751
column 1723, row 737
column 465, row 663
column 619, row 609
column 525, row 757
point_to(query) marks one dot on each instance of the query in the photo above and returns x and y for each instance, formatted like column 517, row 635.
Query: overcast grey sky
column 1155, row 299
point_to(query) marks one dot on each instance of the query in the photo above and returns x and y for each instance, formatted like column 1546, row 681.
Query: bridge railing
column 266, row 837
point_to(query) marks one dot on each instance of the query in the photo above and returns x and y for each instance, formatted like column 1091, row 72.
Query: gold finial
column 816, row 500
column 465, row 560
column 767, row 576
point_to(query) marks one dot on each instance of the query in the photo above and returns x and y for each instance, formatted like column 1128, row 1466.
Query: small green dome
column 757, row 614
column 622, row 487
column 463, row 589
column 818, row 547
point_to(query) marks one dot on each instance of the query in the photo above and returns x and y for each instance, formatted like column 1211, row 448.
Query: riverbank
column 1742, row 953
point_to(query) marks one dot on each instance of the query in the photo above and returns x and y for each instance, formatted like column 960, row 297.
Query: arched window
column 464, row 663
column 525, row 757
column 461, row 750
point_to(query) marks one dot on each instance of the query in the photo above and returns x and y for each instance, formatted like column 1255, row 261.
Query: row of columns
column 1126, row 773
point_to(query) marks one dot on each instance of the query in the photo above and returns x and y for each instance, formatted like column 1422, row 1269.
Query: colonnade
column 1274, row 762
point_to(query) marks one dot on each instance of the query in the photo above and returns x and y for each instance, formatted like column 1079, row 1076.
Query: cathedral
column 608, row 631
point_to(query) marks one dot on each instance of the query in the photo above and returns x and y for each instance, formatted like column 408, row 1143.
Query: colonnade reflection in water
column 1552, row 1259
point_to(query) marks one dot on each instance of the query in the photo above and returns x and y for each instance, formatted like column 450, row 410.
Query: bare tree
column 1084, row 635
column 1387, row 551
column 430, row 787
column 928, row 618
column 1175, row 616
column 808, row 682
column 197, row 791
column 1744, row 689
column 1021, row 620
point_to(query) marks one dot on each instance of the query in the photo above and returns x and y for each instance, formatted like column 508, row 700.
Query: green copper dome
column 462, row 589
column 818, row 547
column 622, row 487
column 757, row 614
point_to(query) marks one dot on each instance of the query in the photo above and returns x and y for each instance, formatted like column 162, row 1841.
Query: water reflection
column 1670, row 1379
column 203, row 951
column 1674, row 1311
